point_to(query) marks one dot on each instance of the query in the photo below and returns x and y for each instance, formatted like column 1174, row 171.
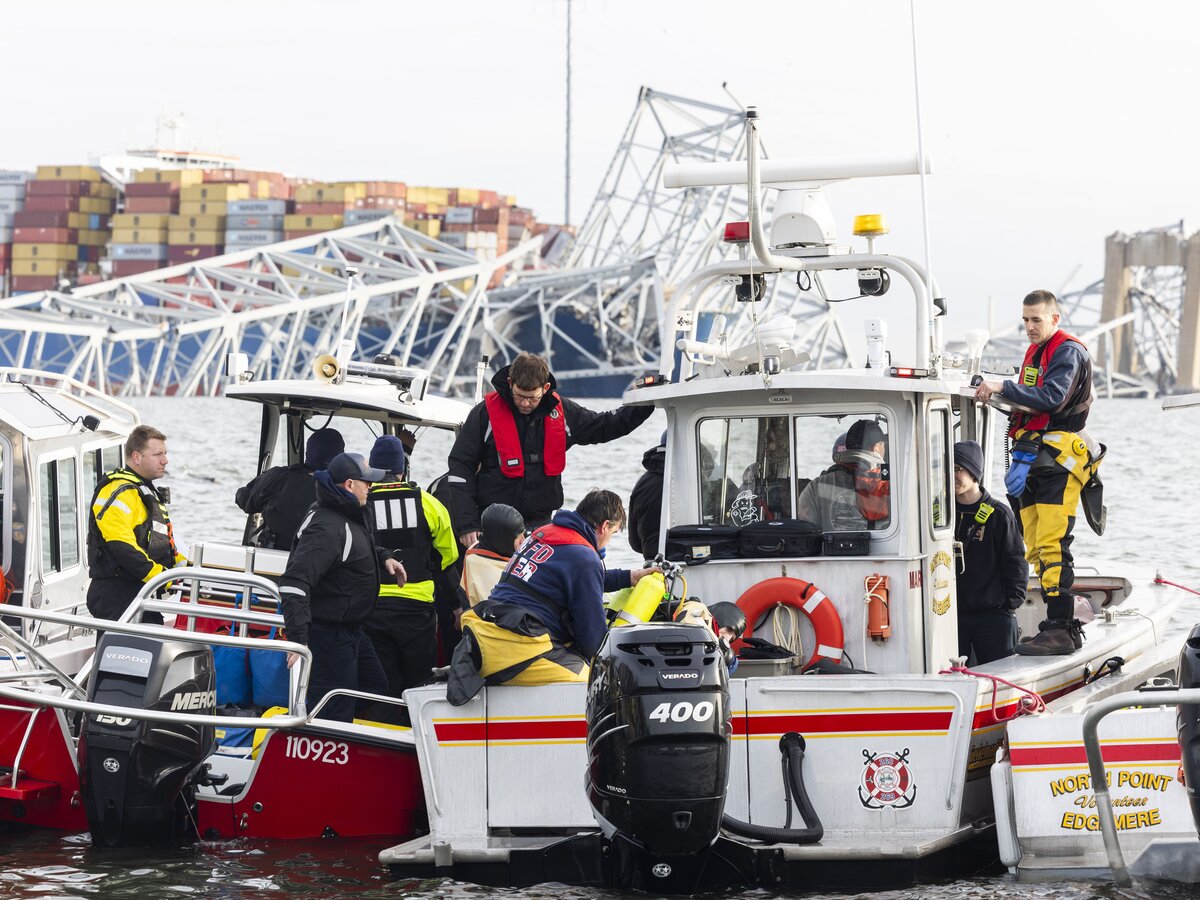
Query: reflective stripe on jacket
column 129, row 529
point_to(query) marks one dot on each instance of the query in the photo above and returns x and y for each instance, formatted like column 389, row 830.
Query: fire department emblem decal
column 887, row 781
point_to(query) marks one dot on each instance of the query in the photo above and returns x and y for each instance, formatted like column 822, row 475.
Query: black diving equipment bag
column 780, row 537
column 700, row 543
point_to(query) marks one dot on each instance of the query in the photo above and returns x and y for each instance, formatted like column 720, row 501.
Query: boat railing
column 296, row 715
column 73, row 386
column 1148, row 696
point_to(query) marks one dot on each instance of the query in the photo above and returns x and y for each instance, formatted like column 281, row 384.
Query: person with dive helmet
column 995, row 573
column 854, row 493
column 502, row 532
column 130, row 539
column 545, row 619
column 1053, row 462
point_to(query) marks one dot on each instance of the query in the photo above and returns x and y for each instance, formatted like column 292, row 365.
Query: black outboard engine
column 658, row 751
column 1189, row 721
column 136, row 775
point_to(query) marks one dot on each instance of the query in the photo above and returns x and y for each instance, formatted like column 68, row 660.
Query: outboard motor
column 135, row 775
column 1189, row 721
column 658, row 751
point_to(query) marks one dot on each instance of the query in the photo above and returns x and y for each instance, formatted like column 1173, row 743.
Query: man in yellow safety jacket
column 130, row 539
column 1052, row 460
column 415, row 526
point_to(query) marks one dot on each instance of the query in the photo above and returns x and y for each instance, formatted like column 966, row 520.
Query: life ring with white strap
column 806, row 597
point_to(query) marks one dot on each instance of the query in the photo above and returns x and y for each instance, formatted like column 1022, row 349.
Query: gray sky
column 1050, row 124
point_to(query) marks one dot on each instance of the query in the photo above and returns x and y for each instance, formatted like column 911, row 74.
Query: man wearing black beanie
column 995, row 573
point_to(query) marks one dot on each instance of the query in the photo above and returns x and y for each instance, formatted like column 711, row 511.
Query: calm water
column 1153, row 495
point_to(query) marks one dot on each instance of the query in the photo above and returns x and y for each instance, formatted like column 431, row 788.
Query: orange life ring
column 809, row 599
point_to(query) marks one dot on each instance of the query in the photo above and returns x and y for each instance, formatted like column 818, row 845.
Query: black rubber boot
column 1055, row 638
column 1075, row 627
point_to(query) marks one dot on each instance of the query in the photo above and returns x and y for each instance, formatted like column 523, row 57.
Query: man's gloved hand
column 1023, row 454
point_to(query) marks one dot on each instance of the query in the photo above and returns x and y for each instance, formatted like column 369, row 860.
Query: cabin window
column 745, row 469
column 747, row 472
column 843, row 473
column 98, row 463
column 60, row 515
column 940, row 467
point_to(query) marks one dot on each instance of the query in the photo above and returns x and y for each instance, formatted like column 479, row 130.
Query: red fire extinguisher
column 879, row 623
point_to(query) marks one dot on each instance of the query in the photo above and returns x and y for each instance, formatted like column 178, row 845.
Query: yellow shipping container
column 140, row 220
column 205, row 238
column 93, row 238
column 181, row 177
column 203, row 208
column 236, row 190
column 196, row 223
column 78, row 220
column 95, row 205
column 104, row 190
column 428, row 227
column 38, row 266
column 68, row 173
column 45, row 251
column 325, row 193
column 312, row 223
column 468, row 196
column 139, row 235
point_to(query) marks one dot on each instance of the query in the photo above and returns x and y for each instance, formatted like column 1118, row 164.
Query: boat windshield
column 831, row 470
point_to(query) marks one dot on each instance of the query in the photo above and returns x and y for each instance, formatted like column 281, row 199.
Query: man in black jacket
column 283, row 494
column 512, row 447
column 995, row 573
column 645, row 503
column 331, row 583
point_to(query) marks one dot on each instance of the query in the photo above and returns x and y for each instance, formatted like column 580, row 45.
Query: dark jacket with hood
column 567, row 585
column 283, row 494
column 475, row 479
column 332, row 574
column 645, row 504
column 995, row 571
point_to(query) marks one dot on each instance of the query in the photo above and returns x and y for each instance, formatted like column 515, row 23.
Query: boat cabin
column 58, row 437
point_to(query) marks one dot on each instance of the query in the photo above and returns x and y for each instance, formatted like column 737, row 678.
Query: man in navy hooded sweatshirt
column 545, row 620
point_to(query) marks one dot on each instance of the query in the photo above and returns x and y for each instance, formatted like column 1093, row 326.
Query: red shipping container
column 33, row 283
column 152, row 189
column 289, row 235
column 58, row 188
column 488, row 198
column 123, row 267
column 152, row 204
column 186, row 253
column 53, row 203
column 41, row 219
column 45, row 236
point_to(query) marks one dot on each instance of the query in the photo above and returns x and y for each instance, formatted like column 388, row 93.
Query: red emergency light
column 737, row 232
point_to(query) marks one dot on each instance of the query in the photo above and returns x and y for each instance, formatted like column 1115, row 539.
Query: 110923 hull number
column 317, row 750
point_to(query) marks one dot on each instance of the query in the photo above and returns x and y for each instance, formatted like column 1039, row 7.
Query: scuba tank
column 638, row 603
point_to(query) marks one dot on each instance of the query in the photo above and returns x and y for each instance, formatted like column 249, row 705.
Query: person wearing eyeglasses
column 512, row 448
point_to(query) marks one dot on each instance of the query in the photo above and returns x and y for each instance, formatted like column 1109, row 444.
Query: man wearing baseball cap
column 331, row 583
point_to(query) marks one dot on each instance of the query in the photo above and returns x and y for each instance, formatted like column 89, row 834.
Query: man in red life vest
column 1051, row 460
column 512, row 448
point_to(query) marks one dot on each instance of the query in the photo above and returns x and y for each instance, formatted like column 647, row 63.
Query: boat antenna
column 912, row 18
column 91, row 423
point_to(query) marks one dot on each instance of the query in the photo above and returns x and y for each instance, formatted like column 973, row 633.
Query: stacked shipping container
column 54, row 226
column 62, row 229
column 12, row 201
